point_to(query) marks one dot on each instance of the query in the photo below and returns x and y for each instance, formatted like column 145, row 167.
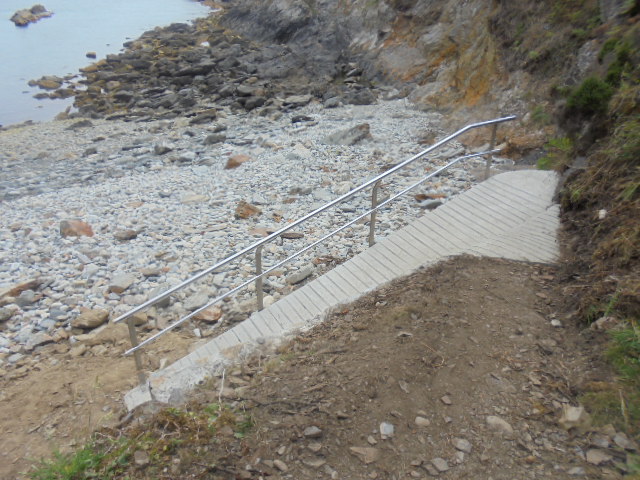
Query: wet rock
column 48, row 82
column 75, row 228
column 366, row 455
column 245, row 210
column 24, row 17
column 90, row 319
column 350, row 136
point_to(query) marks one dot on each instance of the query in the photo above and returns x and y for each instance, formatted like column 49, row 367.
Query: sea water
column 58, row 45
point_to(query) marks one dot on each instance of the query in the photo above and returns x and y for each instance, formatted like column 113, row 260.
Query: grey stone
column 312, row 432
column 300, row 275
column 26, row 298
column 577, row 472
column 121, row 282
column 440, row 464
column 350, row 136
column 462, row 444
column 297, row 100
column 5, row 314
column 499, row 425
column 37, row 340
column 162, row 148
column 386, row 430
column 196, row 301
column 598, row 457
column 165, row 302
column 214, row 138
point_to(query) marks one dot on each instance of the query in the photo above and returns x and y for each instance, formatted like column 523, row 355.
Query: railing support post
column 492, row 144
column 372, row 222
column 259, row 281
column 133, row 336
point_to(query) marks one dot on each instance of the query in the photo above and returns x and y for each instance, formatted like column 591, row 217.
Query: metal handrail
column 259, row 244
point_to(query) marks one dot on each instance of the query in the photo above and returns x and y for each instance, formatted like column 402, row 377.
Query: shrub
column 559, row 153
column 591, row 97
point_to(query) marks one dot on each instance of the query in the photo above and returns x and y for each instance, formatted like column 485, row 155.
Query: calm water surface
column 58, row 45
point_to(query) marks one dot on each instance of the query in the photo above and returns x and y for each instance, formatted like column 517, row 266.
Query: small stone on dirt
column 312, row 432
column 441, row 464
column 422, row 422
column 462, row 444
column 386, row 430
column 574, row 417
column 141, row 458
column 446, row 400
column 598, row 457
column 280, row 465
column 499, row 425
column 366, row 455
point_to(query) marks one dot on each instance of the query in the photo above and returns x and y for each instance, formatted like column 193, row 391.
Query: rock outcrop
column 24, row 17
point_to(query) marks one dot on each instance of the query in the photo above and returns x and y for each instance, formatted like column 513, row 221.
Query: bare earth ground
column 55, row 405
column 459, row 344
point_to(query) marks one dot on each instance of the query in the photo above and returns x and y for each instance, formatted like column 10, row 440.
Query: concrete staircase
column 511, row 215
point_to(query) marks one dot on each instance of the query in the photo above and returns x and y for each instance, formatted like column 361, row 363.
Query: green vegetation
column 624, row 353
column 591, row 97
column 559, row 154
column 539, row 116
column 143, row 451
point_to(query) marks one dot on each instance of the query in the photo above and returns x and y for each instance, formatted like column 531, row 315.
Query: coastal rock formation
column 24, row 17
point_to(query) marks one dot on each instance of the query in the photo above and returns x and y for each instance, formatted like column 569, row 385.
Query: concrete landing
column 511, row 215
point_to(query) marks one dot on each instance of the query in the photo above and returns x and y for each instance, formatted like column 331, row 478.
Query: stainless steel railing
column 258, row 246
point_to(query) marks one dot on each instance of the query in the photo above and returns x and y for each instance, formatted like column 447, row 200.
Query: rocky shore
column 187, row 147
column 100, row 215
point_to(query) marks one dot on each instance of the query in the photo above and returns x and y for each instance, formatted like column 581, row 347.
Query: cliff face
column 443, row 50
column 472, row 57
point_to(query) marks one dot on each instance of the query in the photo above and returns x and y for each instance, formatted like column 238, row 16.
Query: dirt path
column 460, row 359
column 453, row 372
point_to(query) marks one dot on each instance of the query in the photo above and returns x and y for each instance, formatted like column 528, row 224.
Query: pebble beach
column 161, row 203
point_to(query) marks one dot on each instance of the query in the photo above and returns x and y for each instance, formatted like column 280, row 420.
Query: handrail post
column 492, row 144
column 372, row 222
column 259, row 281
column 133, row 336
